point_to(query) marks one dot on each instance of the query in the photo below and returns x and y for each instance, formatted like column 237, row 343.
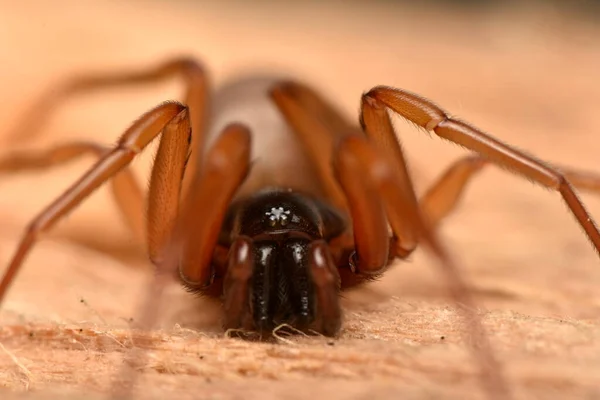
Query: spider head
column 281, row 228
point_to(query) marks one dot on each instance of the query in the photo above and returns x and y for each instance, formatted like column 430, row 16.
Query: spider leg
column 191, row 245
column 317, row 126
column 313, row 103
column 371, row 237
column 582, row 180
column 376, row 123
column 225, row 167
column 125, row 188
column 164, row 191
column 356, row 154
column 429, row 116
column 192, row 72
column 443, row 196
column 131, row 143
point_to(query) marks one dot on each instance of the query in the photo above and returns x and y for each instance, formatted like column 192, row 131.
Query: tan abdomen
column 278, row 157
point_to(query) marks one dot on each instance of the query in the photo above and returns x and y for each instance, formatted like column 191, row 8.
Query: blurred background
column 526, row 71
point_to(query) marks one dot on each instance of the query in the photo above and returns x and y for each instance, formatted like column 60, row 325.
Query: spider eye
column 278, row 216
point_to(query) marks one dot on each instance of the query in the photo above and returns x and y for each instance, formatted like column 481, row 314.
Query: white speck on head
column 278, row 214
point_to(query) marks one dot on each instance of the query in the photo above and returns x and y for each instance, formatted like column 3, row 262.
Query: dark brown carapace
column 263, row 195
column 280, row 269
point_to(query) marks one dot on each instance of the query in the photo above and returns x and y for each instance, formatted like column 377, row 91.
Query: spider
column 278, row 234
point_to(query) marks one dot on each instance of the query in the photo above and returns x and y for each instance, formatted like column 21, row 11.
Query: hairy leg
column 376, row 123
column 190, row 70
column 126, row 190
column 191, row 245
column 431, row 117
column 164, row 192
column 387, row 182
column 320, row 127
column 370, row 230
column 225, row 167
column 142, row 132
column 444, row 195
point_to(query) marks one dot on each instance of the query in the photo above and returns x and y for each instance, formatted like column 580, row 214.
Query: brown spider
column 278, row 235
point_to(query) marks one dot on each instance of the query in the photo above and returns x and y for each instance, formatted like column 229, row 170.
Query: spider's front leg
column 365, row 175
column 183, row 239
column 170, row 116
column 211, row 191
column 125, row 187
column 443, row 196
column 431, row 117
column 190, row 70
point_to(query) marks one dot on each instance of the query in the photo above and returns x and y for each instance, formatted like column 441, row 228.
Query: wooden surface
column 527, row 76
